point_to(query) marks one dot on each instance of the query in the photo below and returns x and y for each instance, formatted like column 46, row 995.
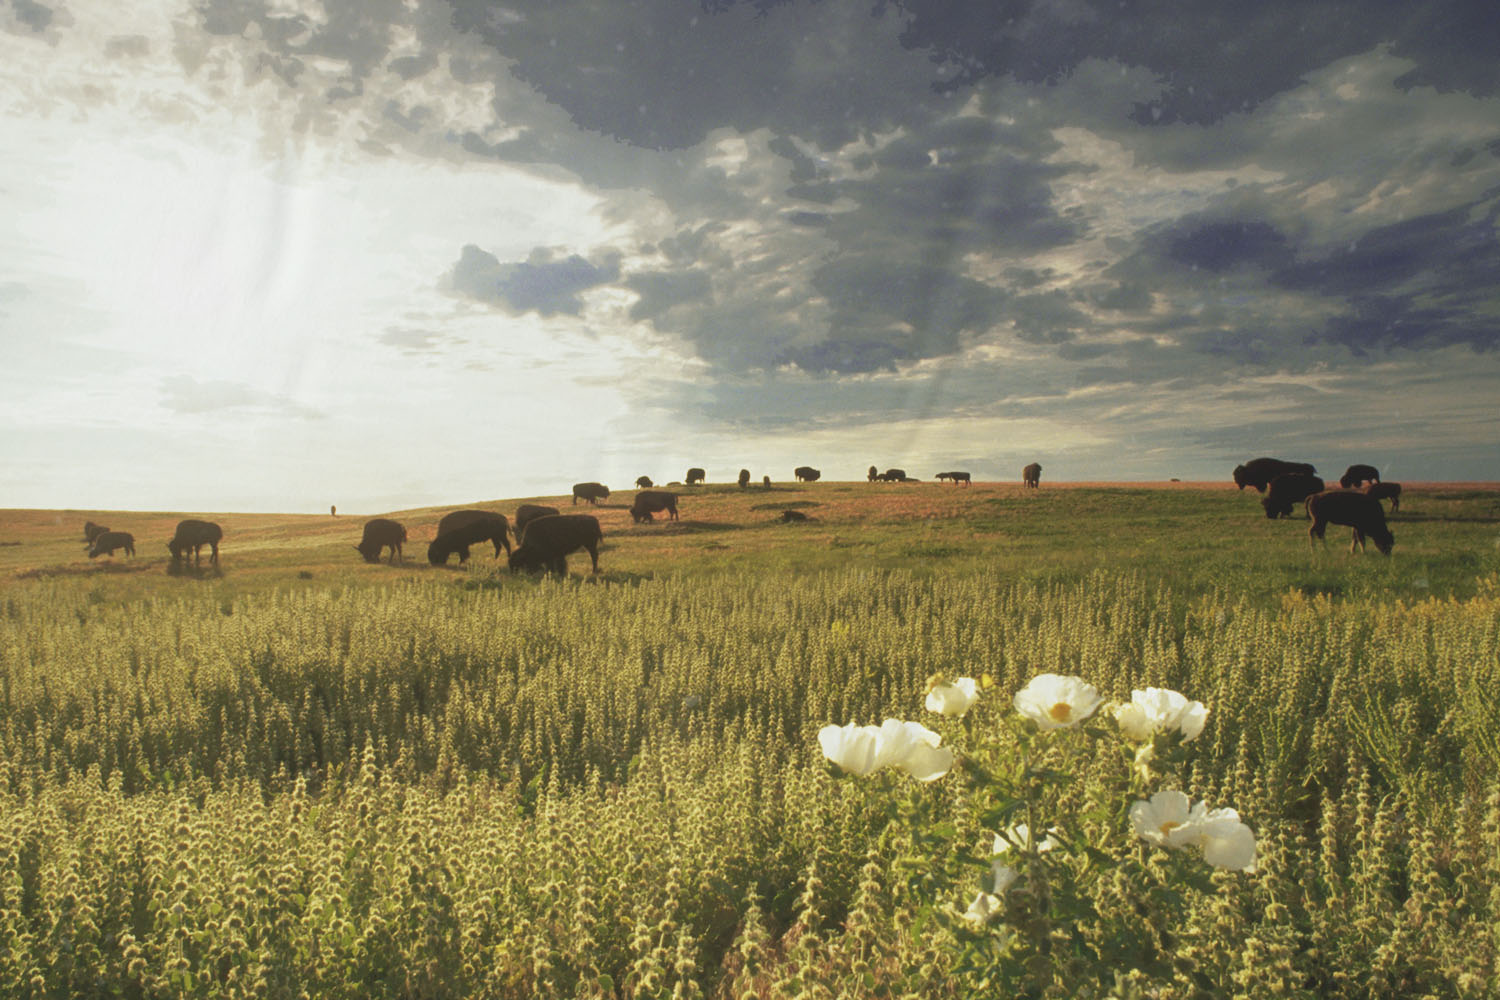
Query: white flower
column 1020, row 834
column 952, row 699
column 1055, row 702
column 1227, row 842
column 1156, row 709
column 853, row 748
column 1168, row 819
column 909, row 746
column 985, row 908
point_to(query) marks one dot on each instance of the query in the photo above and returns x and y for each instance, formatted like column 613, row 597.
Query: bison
column 873, row 474
column 1357, row 475
column 648, row 502
column 1386, row 491
column 744, row 478
column 695, row 476
column 1031, row 476
column 105, row 543
column 92, row 531
column 893, row 476
column 644, row 483
column 191, row 534
column 528, row 512
column 546, row 542
column 1288, row 490
column 381, row 533
column 592, row 492
column 1360, row 512
column 462, row 528
column 765, row 482
column 956, row 477
column 1258, row 472
column 806, row 474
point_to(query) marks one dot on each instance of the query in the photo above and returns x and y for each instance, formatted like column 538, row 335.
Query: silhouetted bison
column 1386, row 491
column 1360, row 512
column 463, row 528
column 92, row 531
column 765, row 481
column 893, row 476
column 644, row 483
column 1287, row 490
column 105, row 543
column 695, row 476
column 381, row 533
column 957, row 477
column 873, row 474
column 744, row 478
column 1032, row 476
column 806, row 474
column 1259, row 472
column 592, row 492
column 528, row 512
column 191, row 534
column 789, row 515
column 546, row 542
column 648, row 502
column 1357, row 475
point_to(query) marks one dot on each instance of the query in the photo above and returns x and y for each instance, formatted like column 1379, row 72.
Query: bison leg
column 1358, row 539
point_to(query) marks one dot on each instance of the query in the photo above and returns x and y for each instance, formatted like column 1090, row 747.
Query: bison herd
column 1289, row 484
column 190, row 535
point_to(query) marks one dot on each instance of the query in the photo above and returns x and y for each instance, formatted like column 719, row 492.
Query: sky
column 281, row 254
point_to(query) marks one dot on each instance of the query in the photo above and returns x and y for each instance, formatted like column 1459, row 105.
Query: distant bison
column 463, row 528
column 546, row 542
column 592, row 492
column 1288, row 490
column 528, row 512
column 1357, row 475
column 893, row 476
column 381, row 533
column 765, row 481
column 806, row 474
column 744, row 478
column 105, row 543
column 92, row 531
column 1360, row 512
column 191, row 534
column 1386, row 491
column 873, row 474
column 1032, row 476
column 648, row 502
column 1258, row 472
column 788, row 516
column 695, row 476
column 644, row 483
column 956, row 477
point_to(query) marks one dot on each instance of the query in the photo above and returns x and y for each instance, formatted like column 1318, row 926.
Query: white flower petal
column 953, row 699
column 853, row 748
column 984, row 908
column 1055, row 702
column 1166, row 819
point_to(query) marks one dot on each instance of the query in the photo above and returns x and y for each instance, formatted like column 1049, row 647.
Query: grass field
column 301, row 773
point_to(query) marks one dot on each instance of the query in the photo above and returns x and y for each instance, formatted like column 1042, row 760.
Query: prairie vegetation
column 306, row 774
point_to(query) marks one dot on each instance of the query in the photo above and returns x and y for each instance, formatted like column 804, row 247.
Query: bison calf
column 1360, row 512
column 546, row 542
column 105, row 543
column 381, row 533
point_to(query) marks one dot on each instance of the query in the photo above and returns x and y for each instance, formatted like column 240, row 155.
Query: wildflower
column 853, row 748
column 1167, row 819
column 908, row 746
column 954, row 698
column 1056, row 702
column 1160, row 709
column 1227, row 842
column 1020, row 835
column 985, row 908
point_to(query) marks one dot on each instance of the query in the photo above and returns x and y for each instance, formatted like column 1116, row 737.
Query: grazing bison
column 1357, row 475
column 806, row 474
column 463, row 528
column 744, row 478
column 1258, row 472
column 695, row 476
column 381, row 533
column 191, row 534
column 92, row 531
column 528, row 512
column 648, row 502
column 1360, row 512
column 893, row 476
column 547, row 541
column 1032, row 476
column 1287, row 490
column 1386, row 491
column 957, row 477
column 644, row 483
column 105, row 543
column 592, row 492
column 788, row 516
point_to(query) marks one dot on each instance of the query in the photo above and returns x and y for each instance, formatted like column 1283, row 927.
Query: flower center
column 1168, row 827
column 1061, row 712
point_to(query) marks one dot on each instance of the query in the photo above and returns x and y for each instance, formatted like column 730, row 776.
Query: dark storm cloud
column 662, row 290
column 544, row 283
column 1218, row 246
column 32, row 14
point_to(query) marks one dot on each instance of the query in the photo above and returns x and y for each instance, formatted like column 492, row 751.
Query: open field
column 304, row 772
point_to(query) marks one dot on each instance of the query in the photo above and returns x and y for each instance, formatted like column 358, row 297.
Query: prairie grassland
column 306, row 774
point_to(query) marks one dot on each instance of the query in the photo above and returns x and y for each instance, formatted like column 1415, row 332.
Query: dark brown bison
column 806, row 474
column 192, row 534
column 1287, row 491
column 1357, row 475
column 744, row 478
column 1258, row 472
column 105, row 543
column 592, row 492
column 546, row 542
column 1386, row 491
column 644, row 483
column 956, row 477
column 873, row 474
column 648, row 502
column 893, row 476
column 381, row 533
column 1032, row 476
column 528, row 512
column 1360, row 512
column 695, row 476
column 463, row 528
column 788, row 516
column 765, row 481
column 92, row 531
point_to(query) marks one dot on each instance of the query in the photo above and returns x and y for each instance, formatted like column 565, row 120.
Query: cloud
column 544, row 283
column 183, row 394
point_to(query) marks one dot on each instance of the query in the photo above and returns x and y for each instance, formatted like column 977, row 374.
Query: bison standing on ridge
column 463, row 528
column 546, row 542
column 765, row 481
column 528, row 512
column 92, row 531
column 1031, row 476
column 648, row 502
column 1357, row 475
column 1386, row 491
column 744, row 478
column 644, row 483
column 873, row 474
column 381, row 533
column 106, row 542
column 193, row 534
column 806, row 474
column 893, row 476
column 1258, row 472
column 1287, row 490
column 1360, row 512
column 695, row 476
column 592, row 492
column 957, row 477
